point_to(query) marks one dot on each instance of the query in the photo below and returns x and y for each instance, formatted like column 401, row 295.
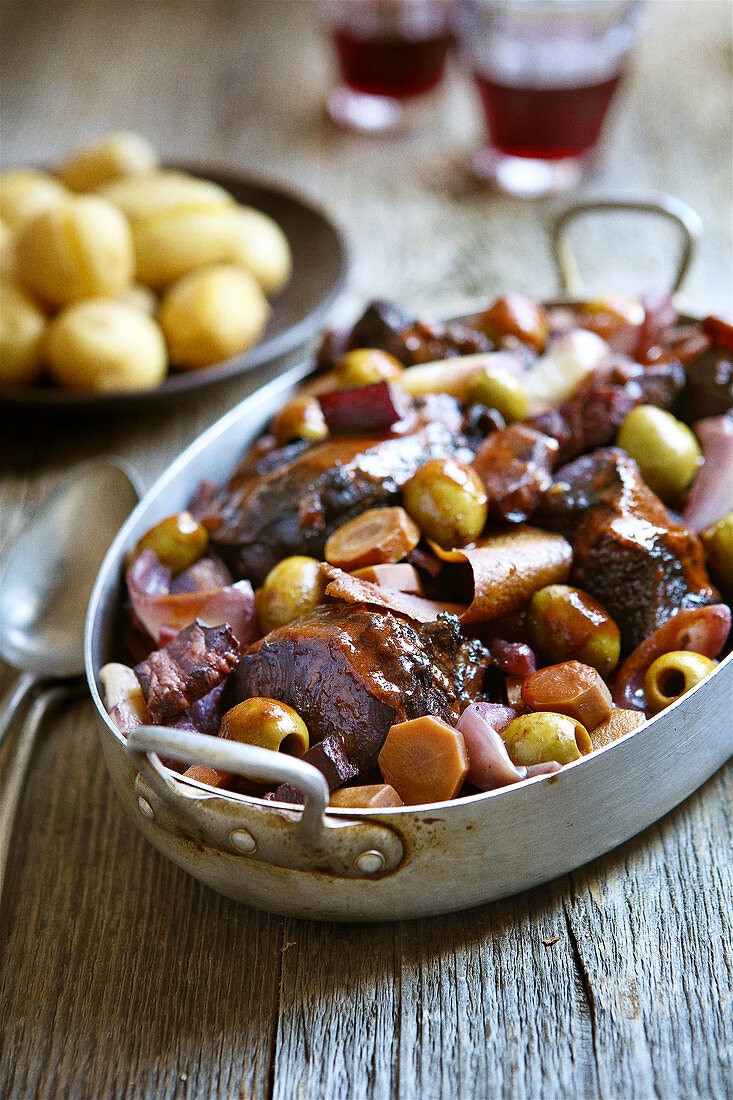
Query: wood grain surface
column 121, row 976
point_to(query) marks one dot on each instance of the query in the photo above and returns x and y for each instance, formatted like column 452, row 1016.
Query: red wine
column 545, row 123
column 391, row 65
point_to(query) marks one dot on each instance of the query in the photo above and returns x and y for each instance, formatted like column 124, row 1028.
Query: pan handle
column 684, row 217
column 306, row 840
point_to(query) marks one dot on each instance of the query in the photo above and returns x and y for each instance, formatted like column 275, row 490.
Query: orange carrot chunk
column 373, row 796
column 620, row 723
column 569, row 688
column 211, row 776
column 377, row 536
column 425, row 760
column 401, row 576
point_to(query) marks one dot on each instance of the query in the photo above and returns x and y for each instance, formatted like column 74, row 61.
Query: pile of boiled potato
column 113, row 270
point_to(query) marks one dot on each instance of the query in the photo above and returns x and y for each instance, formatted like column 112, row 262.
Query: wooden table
column 122, row 977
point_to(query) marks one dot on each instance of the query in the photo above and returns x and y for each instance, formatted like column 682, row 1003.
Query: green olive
column 292, row 588
column 672, row 674
column 301, row 418
column 365, row 366
column 447, row 500
column 543, row 736
column 666, row 450
column 718, row 543
column 267, row 723
column 178, row 540
column 566, row 624
column 499, row 389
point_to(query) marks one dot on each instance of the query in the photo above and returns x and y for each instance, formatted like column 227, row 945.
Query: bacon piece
column 508, row 569
column 190, row 666
column 350, row 589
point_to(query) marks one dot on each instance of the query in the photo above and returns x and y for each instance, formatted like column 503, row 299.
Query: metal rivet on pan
column 371, row 862
column 243, row 841
column 145, row 808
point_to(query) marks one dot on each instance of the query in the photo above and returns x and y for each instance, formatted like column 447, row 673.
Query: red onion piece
column 549, row 768
column 489, row 763
column 711, row 495
column 699, row 629
column 160, row 612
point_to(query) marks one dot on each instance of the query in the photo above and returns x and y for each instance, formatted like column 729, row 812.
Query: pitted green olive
column 178, row 540
column 447, row 500
column 365, row 366
column 544, row 736
column 718, row 543
column 566, row 624
column 499, row 389
column 672, row 674
column 267, row 723
column 666, row 450
column 292, row 588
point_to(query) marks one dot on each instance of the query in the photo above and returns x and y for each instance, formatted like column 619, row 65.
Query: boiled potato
column 79, row 249
column 141, row 297
column 25, row 192
column 102, row 346
column 258, row 244
column 155, row 193
column 7, row 250
column 22, row 325
column 178, row 241
column 212, row 314
column 107, row 158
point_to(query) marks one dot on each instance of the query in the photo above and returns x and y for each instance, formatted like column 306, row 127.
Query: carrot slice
column 373, row 796
column 425, row 760
column 401, row 576
column 569, row 688
column 377, row 536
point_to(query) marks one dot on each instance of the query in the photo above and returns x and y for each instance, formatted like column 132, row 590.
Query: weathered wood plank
column 122, row 976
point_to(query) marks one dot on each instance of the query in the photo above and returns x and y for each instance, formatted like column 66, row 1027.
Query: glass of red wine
column 389, row 52
column 546, row 72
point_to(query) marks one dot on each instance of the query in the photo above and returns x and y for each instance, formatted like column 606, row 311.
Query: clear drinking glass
column 546, row 72
column 388, row 53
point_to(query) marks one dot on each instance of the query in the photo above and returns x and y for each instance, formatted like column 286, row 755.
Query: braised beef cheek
column 628, row 551
column 257, row 521
column 351, row 672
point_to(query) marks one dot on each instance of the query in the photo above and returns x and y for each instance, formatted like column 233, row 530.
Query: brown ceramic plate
column 319, row 271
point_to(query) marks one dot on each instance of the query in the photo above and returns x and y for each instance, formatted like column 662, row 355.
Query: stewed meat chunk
column 352, row 672
column 628, row 551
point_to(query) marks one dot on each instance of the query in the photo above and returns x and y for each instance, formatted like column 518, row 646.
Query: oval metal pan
column 320, row 266
column 456, row 854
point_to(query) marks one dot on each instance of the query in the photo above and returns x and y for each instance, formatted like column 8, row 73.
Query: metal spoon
column 47, row 574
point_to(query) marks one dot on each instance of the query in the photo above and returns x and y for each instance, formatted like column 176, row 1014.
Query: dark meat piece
column 709, row 389
column 628, row 551
column 255, row 522
column 390, row 328
column 204, row 716
column 592, row 418
column 189, row 667
column 514, row 465
column 352, row 672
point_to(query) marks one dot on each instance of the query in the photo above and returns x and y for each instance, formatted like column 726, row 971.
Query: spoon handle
column 14, row 700
column 13, row 780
